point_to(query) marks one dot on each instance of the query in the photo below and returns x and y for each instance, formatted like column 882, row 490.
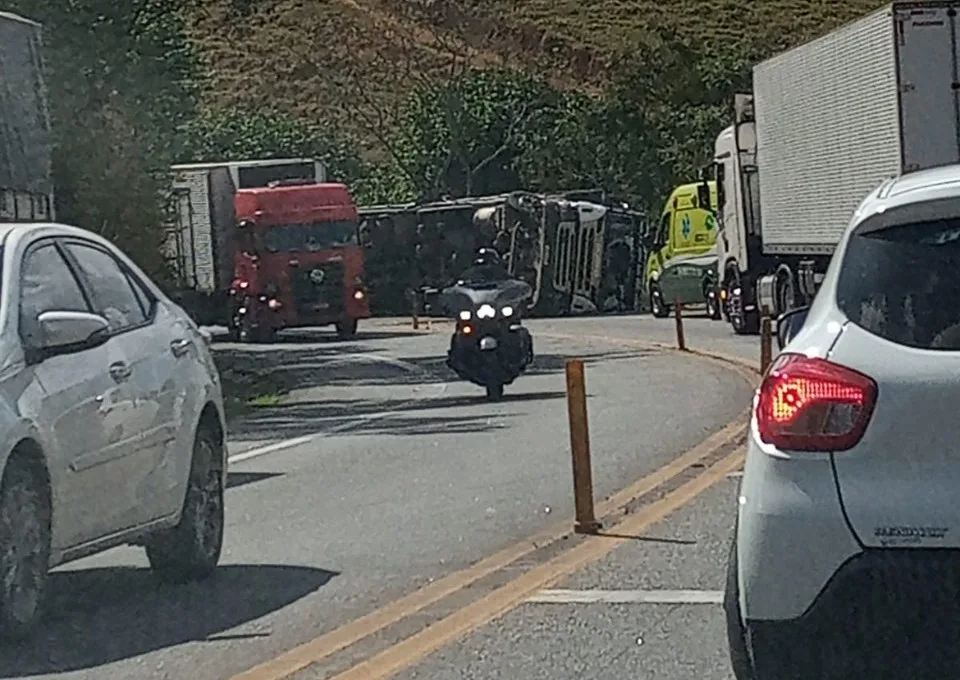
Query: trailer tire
column 785, row 291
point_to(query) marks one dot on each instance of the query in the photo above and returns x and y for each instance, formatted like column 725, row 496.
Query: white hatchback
column 111, row 418
column 846, row 557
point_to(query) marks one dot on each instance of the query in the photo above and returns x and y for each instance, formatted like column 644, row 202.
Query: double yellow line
column 414, row 648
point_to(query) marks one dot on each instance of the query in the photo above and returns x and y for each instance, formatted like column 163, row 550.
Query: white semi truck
column 826, row 123
column 26, row 184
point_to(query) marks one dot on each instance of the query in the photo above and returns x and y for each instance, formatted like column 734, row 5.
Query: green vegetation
column 122, row 79
column 265, row 400
column 404, row 99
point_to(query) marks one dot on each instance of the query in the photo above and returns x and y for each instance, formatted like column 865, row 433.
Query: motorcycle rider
column 488, row 268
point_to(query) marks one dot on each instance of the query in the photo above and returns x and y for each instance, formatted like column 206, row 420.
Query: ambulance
column 682, row 261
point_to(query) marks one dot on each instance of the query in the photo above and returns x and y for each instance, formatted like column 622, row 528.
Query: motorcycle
column 489, row 348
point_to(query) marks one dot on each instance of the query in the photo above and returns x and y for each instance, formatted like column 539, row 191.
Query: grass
column 350, row 62
column 265, row 400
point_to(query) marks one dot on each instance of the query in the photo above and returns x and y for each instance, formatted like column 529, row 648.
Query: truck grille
column 318, row 289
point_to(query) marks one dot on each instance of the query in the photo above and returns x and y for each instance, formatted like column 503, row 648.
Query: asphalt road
column 672, row 629
column 380, row 474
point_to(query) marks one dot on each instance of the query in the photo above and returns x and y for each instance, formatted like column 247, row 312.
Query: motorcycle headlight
column 486, row 312
column 465, row 315
column 507, row 311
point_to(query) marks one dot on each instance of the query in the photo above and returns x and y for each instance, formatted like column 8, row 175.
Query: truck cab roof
column 685, row 196
column 295, row 204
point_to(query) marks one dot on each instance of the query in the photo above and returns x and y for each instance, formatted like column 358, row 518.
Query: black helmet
column 487, row 256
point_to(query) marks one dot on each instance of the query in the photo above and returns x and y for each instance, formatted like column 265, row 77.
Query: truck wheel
column 743, row 322
column 347, row 328
column 786, row 297
column 657, row 306
column 190, row 551
column 24, row 547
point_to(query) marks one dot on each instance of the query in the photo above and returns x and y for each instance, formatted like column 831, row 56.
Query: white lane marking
column 628, row 597
column 270, row 448
column 355, row 421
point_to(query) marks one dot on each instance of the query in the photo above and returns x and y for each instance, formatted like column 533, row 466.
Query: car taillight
column 810, row 404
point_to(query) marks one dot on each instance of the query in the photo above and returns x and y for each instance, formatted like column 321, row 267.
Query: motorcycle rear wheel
column 494, row 391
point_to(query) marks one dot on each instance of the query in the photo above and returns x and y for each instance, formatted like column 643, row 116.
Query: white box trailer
column 199, row 242
column 840, row 114
column 26, row 184
column 826, row 123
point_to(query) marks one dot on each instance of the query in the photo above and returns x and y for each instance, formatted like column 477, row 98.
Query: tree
column 240, row 134
column 671, row 100
column 465, row 137
column 122, row 78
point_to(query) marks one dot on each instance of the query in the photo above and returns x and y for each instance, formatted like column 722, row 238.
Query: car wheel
column 736, row 633
column 24, row 547
column 657, row 306
column 191, row 550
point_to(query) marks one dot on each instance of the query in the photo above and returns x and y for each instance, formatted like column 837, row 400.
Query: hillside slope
column 351, row 62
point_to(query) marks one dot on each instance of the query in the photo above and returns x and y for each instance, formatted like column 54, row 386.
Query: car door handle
column 180, row 347
column 119, row 371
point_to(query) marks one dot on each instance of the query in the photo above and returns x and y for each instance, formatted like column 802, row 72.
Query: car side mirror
column 63, row 332
column 789, row 324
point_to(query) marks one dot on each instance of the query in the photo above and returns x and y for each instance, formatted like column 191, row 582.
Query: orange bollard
column 586, row 521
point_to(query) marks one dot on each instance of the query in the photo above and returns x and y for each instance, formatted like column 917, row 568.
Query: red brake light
column 809, row 404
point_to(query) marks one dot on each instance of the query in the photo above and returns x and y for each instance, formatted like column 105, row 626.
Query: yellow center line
column 417, row 647
column 330, row 643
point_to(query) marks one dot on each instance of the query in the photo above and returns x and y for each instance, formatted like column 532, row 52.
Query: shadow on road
column 316, row 336
column 99, row 616
column 425, row 370
column 307, row 417
column 436, row 425
column 238, row 479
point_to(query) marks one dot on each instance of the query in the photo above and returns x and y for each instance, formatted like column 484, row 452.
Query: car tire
column 658, row 308
column 736, row 631
column 25, row 515
column 191, row 550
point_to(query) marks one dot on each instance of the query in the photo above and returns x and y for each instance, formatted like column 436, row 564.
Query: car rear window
column 903, row 284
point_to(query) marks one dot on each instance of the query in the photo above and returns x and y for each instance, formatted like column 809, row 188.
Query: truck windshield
column 897, row 283
column 293, row 238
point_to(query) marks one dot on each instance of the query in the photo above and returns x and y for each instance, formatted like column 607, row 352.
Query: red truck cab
column 299, row 261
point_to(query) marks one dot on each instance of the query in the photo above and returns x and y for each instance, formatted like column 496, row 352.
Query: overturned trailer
column 579, row 256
